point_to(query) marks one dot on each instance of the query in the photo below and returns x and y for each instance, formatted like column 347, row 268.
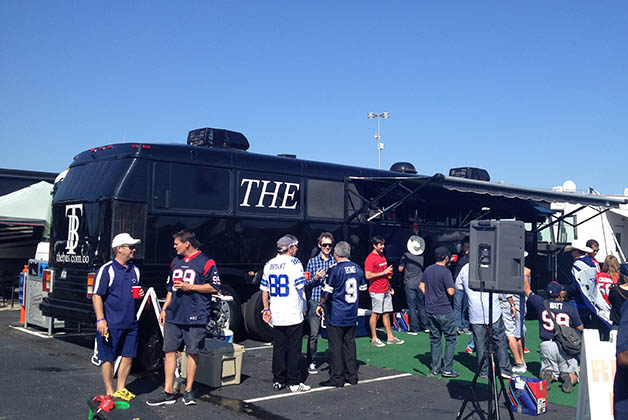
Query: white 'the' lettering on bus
column 288, row 201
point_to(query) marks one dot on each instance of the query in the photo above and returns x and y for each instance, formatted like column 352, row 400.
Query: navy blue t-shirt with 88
column 344, row 279
column 191, row 308
column 437, row 279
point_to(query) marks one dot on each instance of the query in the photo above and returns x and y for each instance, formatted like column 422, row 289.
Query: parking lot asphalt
column 52, row 378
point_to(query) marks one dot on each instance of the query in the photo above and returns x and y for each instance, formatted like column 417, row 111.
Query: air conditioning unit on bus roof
column 470, row 173
column 219, row 138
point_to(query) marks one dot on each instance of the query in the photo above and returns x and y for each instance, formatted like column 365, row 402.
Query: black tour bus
column 238, row 203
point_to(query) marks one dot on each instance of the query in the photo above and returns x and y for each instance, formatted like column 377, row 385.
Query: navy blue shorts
column 176, row 335
column 122, row 342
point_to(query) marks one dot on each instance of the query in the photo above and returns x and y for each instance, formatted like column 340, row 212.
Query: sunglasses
column 130, row 246
column 326, row 245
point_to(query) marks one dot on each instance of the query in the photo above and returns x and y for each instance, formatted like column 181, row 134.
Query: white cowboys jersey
column 284, row 281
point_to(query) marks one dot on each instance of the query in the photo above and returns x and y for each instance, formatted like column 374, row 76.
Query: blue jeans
column 442, row 325
column 315, row 327
column 416, row 308
column 498, row 333
column 461, row 307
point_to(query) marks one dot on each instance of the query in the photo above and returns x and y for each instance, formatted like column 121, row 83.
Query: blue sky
column 536, row 92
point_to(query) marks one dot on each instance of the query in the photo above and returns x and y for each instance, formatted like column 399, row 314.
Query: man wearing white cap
column 114, row 306
column 594, row 310
column 411, row 265
column 283, row 295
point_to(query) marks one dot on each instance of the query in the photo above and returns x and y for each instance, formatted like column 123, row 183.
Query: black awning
column 466, row 198
column 502, row 190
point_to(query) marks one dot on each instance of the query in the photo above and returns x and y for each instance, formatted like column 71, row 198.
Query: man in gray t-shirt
column 411, row 266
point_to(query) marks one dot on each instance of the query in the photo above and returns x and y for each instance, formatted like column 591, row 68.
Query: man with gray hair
column 283, row 295
column 340, row 297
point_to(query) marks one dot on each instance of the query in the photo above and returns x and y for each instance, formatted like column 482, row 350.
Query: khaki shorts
column 381, row 302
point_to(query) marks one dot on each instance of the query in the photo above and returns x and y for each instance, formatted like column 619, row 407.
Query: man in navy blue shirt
column 193, row 278
column 438, row 288
column 340, row 297
column 620, row 388
column 115, row 314
column 554, row 362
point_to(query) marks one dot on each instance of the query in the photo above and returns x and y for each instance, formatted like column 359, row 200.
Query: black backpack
column 567, row 338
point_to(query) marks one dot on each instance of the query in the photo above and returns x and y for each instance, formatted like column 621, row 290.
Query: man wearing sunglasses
column 115, row 314
column 317, row 267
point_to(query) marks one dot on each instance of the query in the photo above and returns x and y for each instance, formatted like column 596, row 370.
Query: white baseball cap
column 124, row 239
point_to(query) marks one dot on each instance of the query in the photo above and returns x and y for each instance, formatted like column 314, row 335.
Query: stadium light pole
column 378, row 137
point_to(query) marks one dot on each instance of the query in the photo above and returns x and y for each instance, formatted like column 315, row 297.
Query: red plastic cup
column 136, row 291
column 176, row 284
column 307, row 275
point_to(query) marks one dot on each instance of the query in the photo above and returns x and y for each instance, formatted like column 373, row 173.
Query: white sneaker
column 377, row 343
column 519, row 368
column 312, row 369
column 300, row 388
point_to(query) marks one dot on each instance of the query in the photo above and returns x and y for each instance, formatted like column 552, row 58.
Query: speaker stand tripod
column 494, row 374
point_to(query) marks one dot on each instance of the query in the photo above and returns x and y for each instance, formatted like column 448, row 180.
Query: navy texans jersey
column 191, row 308
column 565, row 313
column 342, row 286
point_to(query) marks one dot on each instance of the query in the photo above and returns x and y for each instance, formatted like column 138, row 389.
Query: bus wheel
column 255, row 325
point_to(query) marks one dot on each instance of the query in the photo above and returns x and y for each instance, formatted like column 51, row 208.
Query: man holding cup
column 315, row 274
column 116, row 286
column 184, row 315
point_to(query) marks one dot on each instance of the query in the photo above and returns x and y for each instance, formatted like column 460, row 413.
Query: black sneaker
column 188, row 397
column 278, row 386
column 328, row 382
column 165, row 398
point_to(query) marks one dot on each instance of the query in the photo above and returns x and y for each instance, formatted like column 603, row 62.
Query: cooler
column 362, row 328
column 220, row 364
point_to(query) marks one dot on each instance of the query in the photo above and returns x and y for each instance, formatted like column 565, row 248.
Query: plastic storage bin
column 220, row 364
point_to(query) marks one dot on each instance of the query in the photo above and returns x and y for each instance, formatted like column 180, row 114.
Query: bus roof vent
column 471, row 173
column 405, row 167
column 219, row 138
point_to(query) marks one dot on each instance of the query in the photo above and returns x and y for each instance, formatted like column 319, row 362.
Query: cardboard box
column 220, row 364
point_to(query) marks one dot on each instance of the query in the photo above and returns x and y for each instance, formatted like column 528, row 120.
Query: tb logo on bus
column 73, row 226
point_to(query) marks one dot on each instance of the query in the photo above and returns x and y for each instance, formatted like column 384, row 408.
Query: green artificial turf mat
column 414, row 357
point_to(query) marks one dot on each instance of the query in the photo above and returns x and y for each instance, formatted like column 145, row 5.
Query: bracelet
column 163, row 310
column 265, row 310
column 98, row 320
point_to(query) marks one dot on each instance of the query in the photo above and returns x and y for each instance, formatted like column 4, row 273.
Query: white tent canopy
column 28, row 206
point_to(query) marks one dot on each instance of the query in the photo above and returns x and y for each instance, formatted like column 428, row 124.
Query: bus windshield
column 118, row 178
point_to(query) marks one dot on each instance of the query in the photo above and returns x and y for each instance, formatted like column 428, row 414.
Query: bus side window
column 191, row 187
column 325, row 199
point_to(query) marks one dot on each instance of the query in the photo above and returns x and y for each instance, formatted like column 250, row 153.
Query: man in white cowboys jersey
column 284, row 301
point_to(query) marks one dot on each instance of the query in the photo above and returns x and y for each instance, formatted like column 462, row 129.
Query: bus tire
column 255, row 326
